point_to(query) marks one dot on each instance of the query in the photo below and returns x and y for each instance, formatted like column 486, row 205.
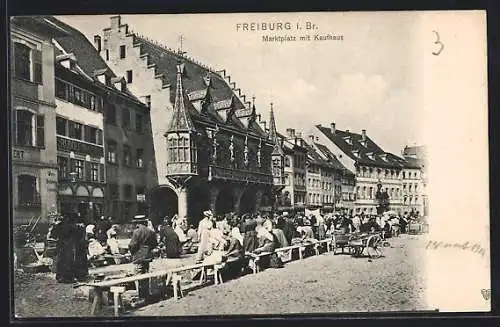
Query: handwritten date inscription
column 465, row 246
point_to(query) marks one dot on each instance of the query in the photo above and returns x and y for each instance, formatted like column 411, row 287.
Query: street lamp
column 73, row 175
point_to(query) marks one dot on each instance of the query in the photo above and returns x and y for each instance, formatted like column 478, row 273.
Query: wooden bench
column 177, row 277
column 117, row 287
column 290, row 248
column 254, row 258
column 328, row 243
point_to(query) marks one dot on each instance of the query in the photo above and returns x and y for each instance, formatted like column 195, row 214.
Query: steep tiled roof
column 419, row 152
column 367, row 153
column 181, row 120
column 273, row 134
column 194, row 82
column 414, row 163
column 88, row 59
column 333, row 159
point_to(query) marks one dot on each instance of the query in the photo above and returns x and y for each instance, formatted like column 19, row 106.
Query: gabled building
column 209, row 148
column 294, row 194
column 374, row 168
column 344, row 180
column 33, row 119
column 415, row 180
column 124, row 150
column 80, row 144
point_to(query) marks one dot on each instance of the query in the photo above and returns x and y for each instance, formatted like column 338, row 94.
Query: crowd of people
column 222, row 238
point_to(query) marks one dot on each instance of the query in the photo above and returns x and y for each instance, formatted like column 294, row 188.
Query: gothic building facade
column 210, row 151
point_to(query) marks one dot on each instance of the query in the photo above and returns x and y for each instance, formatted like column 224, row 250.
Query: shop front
column 86, row 200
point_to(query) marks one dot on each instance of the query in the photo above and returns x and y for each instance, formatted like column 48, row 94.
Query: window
column 94, row 171
column 62, row 90
column 113, row 191
column 99, row 137
column 112, row 152
column 61, row 124
column 127, row 191
column 129, row 76
column 77, row 167
column 27, row 191
column 126, row 118
column 287, row 161
column 76, row 95
column 107, row 54
column 22, row 61
column 24, row 127
column 148, row 101
column 371, row 192
column 110, row 114
column 139, row 160
column 179, row 149
column 63, row 164
column 75, row 130
column 122, row 51
column 126, row 155
column 91, row 134
column 139, row 123
column 27, row 63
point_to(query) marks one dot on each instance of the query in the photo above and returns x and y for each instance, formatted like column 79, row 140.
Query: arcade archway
column 163, row 202
column 225, row 201
column 248, row 201
column 198, row 201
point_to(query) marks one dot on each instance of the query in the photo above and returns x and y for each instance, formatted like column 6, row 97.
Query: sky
column 371, row 80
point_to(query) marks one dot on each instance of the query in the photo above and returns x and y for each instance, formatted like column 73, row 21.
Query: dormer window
column 370, row 156
column 348, row 140
column 383, row 157
column 364, row 143
column 355, row 153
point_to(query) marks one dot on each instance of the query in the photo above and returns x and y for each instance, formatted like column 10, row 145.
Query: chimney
column 332, row 128
column 97, row 43
column 363, row 134
column 347, row 131
column 115, row 22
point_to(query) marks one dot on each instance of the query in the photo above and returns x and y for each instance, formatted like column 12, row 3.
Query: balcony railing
column 34, row 203
column 239, row 175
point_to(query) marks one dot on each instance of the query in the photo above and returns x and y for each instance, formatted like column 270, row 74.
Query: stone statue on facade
column 246, row 151
column 231, row 147
column 258, row 153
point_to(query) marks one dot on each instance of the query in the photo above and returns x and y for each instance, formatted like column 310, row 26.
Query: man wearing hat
column 141, row 245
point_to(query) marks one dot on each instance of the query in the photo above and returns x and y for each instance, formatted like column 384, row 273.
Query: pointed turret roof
column 273, row 134
column 180, row 119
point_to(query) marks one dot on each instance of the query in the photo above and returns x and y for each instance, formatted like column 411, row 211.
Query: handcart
column 366, row 244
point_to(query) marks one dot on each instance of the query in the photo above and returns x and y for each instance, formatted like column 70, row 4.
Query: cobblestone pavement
column 320, row 284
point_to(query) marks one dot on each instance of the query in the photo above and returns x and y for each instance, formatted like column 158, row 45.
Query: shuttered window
column 40, row 131
column 37, row 66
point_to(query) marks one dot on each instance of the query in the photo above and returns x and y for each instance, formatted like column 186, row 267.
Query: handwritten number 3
column 436, row 53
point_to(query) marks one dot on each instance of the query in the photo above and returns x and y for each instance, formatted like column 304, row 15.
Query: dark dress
column 65, row 248
column 81, row 263
column 235, row 259
column 170, row 240
column 250, row 242
column 71, row 259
